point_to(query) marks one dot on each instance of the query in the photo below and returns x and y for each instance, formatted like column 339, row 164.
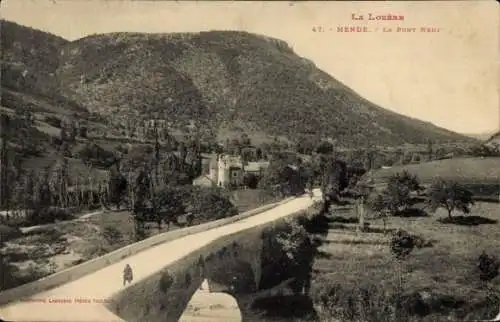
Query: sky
column 450, row 78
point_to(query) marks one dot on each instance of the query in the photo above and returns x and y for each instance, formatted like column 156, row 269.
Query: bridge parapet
column 165, row 296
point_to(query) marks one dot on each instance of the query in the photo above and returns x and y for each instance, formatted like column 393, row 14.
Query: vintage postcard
column 249, row 161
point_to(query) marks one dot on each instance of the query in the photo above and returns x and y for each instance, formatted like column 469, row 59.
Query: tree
column 334, row 181
column 361, row 192
column 250, row 180
column 380, row 204
column 173, row 172
column 396, row 196
column 59, row 182
column 370, row 159
column 29, row 191
column 72, row 131
column 170, row 205
column 283, row 176
column 66, row 149
column 7, row 277
column 306, row 175
column 296, row 243
column 5, row 133
column 170, row 143
column 485, row 150
column 391, row 200
column 156, row 157
column 354, row 173
column 402, row 244
column 206, row 204
column 193, row 164
column 43, row 194
column 182, row 152
column 117, row 187
column 451, row 196
column 407, row 180
column 258, row 153
column 142, row 195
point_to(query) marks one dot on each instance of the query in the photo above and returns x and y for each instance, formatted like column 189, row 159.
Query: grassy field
column 447, row 270
column 466, row 170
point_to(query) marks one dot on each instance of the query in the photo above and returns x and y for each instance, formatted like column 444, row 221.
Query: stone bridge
column 231, row 266
column 231, row 255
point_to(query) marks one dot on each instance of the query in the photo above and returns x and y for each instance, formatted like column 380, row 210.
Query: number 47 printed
column 318, row 29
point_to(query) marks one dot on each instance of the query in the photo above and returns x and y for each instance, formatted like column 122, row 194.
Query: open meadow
column 440, row 280
column 465, row 170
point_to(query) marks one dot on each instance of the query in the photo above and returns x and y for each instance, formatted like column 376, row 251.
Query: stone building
column 229, row 170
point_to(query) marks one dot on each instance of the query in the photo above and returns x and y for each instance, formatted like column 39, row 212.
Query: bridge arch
column 232, row 266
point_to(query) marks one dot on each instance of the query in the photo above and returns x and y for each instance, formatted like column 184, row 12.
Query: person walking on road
column 127, row 275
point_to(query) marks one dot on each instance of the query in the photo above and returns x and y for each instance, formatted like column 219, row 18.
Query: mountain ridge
column 219, row 78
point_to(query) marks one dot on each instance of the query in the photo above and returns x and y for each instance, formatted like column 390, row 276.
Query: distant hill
column 30, row 59
column 480, row 136
column 495, row 138
column 220, row 79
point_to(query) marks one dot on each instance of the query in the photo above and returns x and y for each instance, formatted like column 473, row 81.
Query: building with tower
column 228, row 170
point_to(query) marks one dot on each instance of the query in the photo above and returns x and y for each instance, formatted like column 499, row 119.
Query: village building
column 228, row 170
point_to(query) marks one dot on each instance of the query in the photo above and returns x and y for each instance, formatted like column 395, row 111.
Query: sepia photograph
column 247, row 161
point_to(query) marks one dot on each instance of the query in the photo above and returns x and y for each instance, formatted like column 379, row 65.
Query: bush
column 356, row 303
column 402, row 243
column 166, row 282
column 288, row 252
column 488, row 266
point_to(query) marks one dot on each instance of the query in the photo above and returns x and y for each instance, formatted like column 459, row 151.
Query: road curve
column 103, row 284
